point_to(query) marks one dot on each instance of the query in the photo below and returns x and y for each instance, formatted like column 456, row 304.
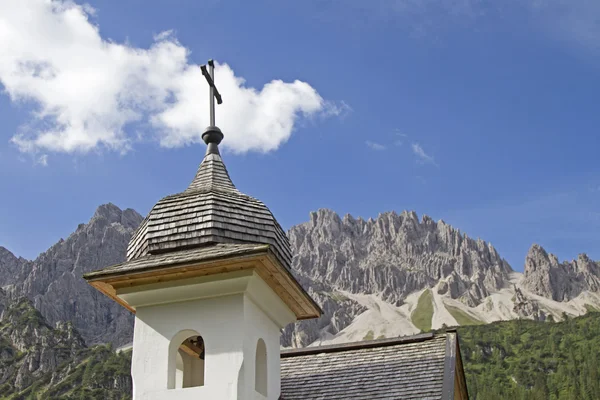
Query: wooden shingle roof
column 423, row 367
column 210, row 211
column 211, row 228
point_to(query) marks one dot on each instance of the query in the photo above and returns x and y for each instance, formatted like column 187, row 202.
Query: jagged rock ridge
column 392, row 256
column 545, row 276
column 395, row 255
column 53, row 280
column 356, row 267
column 11, row 267
column 363, row 273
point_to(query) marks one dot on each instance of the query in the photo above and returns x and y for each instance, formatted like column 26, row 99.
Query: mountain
column 53, row 280
column 30, row 349
column 392, row 275
column 396, row 255
column 397, row 275
column 352, row 266
column 11, row 267
column 388, row 276
column 39, row 361
column 565, row 281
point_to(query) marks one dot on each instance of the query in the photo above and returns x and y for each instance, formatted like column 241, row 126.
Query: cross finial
column 214, row 92
column 212, row 136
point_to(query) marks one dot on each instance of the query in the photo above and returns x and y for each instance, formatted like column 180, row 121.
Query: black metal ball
column 212, row 134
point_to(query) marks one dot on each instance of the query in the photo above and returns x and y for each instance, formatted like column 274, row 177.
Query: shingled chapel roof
column 210, row 211
column 425, row 367
column 209, row 228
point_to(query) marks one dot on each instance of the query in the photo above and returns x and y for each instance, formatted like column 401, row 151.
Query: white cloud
column 86, row 90
column 421, row 155
column 42, row 160
column 375, row 146
column 340, row 109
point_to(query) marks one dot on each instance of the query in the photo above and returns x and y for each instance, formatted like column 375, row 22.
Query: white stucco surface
column 230, row 325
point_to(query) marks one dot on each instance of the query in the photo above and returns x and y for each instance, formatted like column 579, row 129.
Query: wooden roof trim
column 110, row 276
column 461, row 380
column 109, row 287
column 334, row 348
column 449, row 367
column 110, row 292
column 189, row 271
column 312, row 310
column 274, row 274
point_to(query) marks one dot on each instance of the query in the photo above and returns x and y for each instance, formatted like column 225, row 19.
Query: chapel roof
column 210, row 211
column 425, row 366
column 210, row 228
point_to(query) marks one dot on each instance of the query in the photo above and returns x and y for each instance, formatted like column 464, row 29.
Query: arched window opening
column 188, row 359
column 260, row 368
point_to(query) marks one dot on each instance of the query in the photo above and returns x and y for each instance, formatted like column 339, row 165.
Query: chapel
column 208, row 277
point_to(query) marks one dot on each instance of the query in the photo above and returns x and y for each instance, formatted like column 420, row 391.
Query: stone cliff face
column 338, row 313
column 526, row 308
column 29, row 348
column 545, row 276
column 53, row 281
column 40, row 361
column 395, row 255
column 11, row 267
column 391, row 256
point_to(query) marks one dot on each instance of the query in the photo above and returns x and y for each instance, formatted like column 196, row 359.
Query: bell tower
column 208, row 278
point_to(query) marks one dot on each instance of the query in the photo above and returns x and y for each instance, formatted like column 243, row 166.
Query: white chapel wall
column 220, row 323
column 231, row 327
column 260, row 326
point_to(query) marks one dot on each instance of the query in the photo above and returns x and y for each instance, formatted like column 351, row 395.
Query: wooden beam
column 266, row 266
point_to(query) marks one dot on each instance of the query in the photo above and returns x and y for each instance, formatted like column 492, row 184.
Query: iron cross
column 214, row 93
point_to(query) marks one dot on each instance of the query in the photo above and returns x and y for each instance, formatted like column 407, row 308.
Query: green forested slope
column 524, row 359
column 512, row 360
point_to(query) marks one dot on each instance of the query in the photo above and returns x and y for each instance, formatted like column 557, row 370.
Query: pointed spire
column 211, row 210
column 212, row 173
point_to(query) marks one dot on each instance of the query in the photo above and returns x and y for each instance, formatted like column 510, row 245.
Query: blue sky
column 484, row 116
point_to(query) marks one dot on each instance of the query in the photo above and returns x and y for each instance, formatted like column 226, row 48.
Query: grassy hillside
column 423, row 313
column 462, row 317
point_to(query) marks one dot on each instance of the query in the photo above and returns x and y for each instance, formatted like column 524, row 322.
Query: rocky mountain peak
column 351, row 267
column 546, row 276
column 395, row 254
column 583, row 258
column 324, row 216
column 6, row 256
column 130, row 219
column 10, row 266
column 53, row 280
column 536, row 258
